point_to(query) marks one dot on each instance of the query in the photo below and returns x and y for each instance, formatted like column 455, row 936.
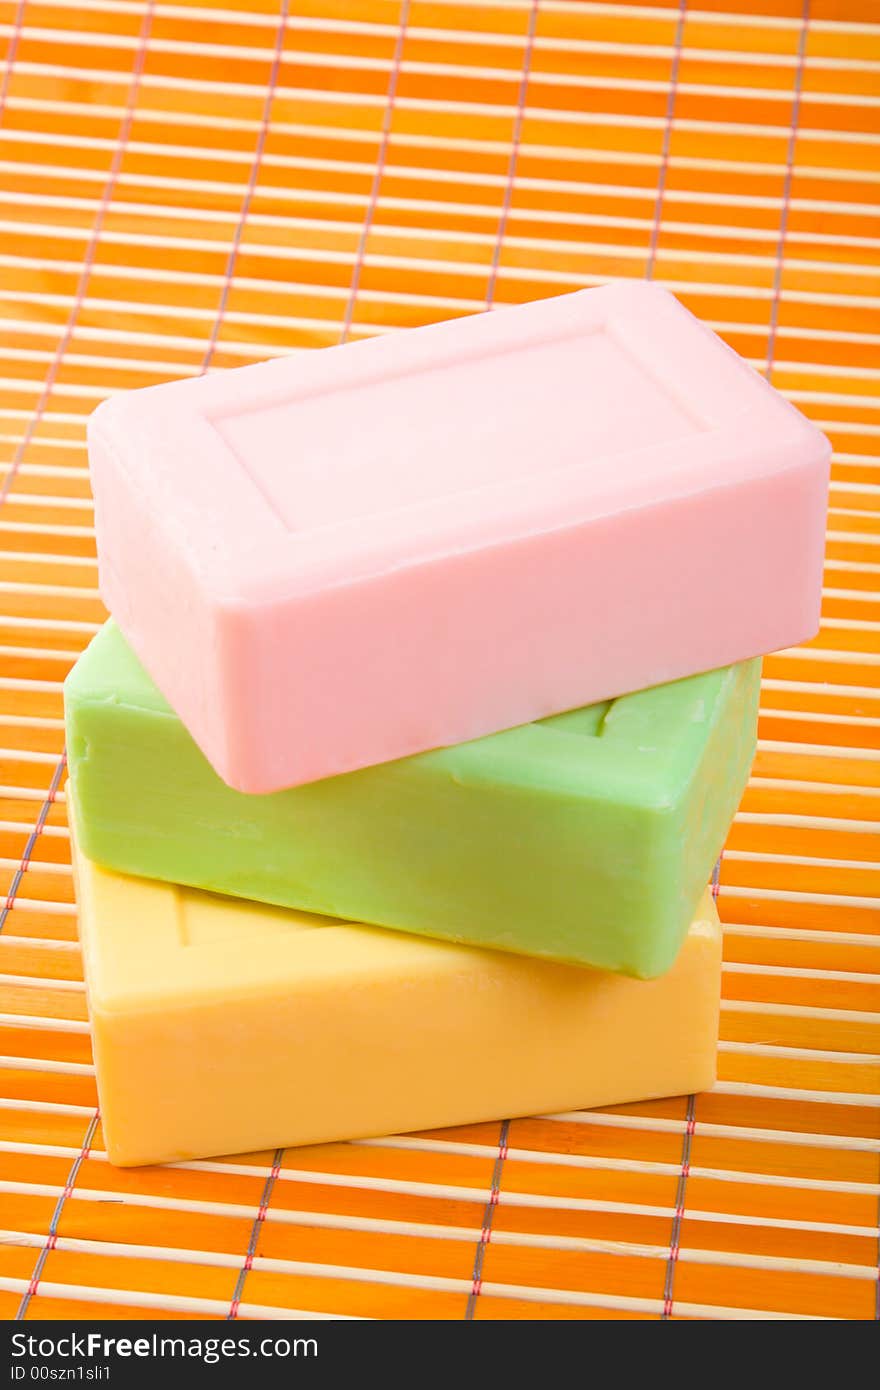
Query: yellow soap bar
column 222, row 1026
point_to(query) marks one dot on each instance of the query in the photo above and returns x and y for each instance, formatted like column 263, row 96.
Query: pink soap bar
column 343, row 557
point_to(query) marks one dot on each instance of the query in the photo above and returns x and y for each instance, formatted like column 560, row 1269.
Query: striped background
column 186, row 186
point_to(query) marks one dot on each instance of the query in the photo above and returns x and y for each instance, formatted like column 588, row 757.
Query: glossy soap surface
column 222, row 1027
column 586, row 838
column 348, row 556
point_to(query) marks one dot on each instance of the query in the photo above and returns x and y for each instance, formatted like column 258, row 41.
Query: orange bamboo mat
column 188, row 185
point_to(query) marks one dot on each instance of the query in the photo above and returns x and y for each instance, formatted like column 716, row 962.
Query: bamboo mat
column 187, row 186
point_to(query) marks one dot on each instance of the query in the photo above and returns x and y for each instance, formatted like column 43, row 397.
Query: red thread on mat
column 263, row 1211
column 12, row 53
column 90, row 256
column 52, row 1233
column 663, row 171
column 253, row 179
column 33, row 837
column 687, row 1144
column 786, row 188
column 378, row 173
column 513, row 160
column 250, row 1254
column 678, row 1211
column 488, row 1218
column 715, row 885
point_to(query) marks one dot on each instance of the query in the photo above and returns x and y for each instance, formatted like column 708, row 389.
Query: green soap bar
column 587, row 837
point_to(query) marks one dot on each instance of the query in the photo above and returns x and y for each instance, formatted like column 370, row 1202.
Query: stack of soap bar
column 349, row 556
column 221, row 1026
column 453, row 638
column 586, row 838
